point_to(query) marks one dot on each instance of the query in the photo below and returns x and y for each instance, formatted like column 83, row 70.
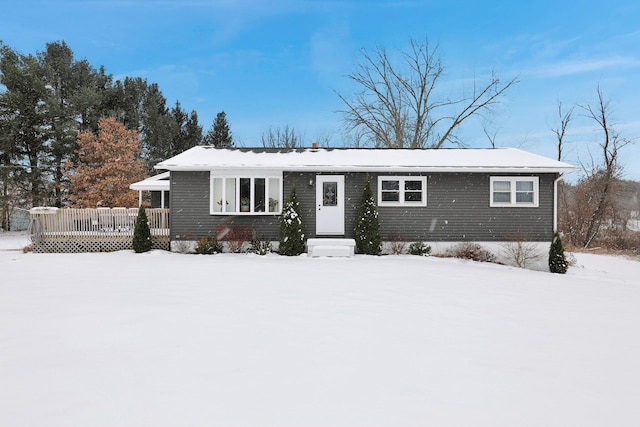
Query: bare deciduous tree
column 609, row 171
column 397, row 105
column 281, row 138
column 561, row 131
column 591, row 205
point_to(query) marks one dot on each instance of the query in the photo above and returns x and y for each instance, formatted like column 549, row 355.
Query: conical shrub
column 367, row 229
column 141, row 232
column 291, row 236
column 557, row 260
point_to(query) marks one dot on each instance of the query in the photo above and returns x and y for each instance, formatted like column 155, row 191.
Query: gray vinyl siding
column 457, row 209
column 190, row 217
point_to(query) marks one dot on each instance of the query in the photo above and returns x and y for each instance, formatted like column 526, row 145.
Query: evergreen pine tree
column 291, row 232
column 557, row 260
column 367, row 230
column 141, row 232
column 220, row 134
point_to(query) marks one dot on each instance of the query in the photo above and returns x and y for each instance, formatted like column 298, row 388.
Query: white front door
column 330, row 204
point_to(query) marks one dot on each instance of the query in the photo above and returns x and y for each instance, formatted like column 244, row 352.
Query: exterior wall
column 457, row 209
column 190, row 218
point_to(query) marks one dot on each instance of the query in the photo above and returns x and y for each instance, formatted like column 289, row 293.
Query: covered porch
column 157, row 186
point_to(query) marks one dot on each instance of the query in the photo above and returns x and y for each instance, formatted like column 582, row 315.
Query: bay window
column 246, row 194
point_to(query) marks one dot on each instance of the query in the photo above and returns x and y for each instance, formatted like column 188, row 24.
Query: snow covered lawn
column 162, row 339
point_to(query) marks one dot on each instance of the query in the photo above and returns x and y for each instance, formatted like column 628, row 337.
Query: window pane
column 413, row 185
column 329, row 193
column 390, row 196
column 524, row 197
column 390, row 185
column 524, row 186
column 259, row 188
column 501, row 186
column 230, row 195
column 217, row 194
column 413, row 196
column 501, row 197
column 274, row 195
column 245, row 194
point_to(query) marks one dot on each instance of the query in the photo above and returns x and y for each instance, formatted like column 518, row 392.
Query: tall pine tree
column 220, row 134
column 367, row 230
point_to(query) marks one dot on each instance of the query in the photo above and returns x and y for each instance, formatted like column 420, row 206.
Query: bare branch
column 397, row 106
column 281, row 138
column 561, row 131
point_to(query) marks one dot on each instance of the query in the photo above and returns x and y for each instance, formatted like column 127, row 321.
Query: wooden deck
column 94, row 230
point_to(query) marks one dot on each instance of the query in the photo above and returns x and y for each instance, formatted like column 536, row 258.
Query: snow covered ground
column 165, row 339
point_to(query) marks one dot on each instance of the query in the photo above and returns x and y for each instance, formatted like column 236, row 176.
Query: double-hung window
column 514, row 191
column 402, row 191
column 246, row 194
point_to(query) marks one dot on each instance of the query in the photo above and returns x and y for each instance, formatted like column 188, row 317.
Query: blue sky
column 280, row 62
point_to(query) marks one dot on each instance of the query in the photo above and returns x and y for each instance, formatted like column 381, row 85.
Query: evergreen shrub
column 291, row 235
column 141, row 232
column 259, row 245
column 367, row 229
column 208, row 246
column 557, row 260
column 419, row 248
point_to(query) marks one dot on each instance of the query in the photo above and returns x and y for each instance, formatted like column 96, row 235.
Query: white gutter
column 555, row 200
column 345, row 169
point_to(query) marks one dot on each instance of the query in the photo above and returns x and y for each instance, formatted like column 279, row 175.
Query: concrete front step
column 331, row 247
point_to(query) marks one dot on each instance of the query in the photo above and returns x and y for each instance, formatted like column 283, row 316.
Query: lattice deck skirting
column 74, row 244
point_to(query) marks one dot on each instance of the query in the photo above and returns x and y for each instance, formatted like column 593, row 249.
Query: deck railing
column 93, row 230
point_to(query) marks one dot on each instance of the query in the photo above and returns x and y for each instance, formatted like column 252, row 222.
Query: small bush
column 208, row 246
column 522, row 254
column 259, row 245
column 398, row 245
column 28, row 248
column 182, row 246
column 419, row 248
column 472, row 251
column 236, row 236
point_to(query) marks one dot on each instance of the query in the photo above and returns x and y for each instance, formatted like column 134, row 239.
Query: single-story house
column 440, row 197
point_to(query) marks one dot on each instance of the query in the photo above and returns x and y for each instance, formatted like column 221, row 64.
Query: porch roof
column 511, row 160
column 158, row 182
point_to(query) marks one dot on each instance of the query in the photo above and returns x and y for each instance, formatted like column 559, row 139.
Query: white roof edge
column 313, row 168
column 204, row 158
column 159, row 182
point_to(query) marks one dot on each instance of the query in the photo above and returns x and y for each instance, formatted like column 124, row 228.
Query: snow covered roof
column 203, row 158
column 158, row 182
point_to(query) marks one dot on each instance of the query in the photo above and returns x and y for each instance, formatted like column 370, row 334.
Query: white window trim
column 513, row 180
column 402, row 180
column 252, row 175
